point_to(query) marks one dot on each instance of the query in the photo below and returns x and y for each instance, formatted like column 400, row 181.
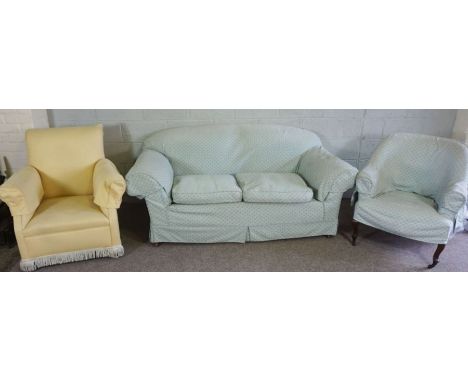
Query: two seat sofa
column 238, row 183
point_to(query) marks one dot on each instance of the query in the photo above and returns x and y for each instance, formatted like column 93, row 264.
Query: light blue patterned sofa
column 238, row 184
column 414, row 186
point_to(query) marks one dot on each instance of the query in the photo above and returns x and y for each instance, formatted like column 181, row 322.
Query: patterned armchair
column 64, row 203
column 414, row 186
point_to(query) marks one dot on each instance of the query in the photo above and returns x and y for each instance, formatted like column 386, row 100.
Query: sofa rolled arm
column 326, row 173
column 452, row 199
column 108, row 184
column 23, row 192
column 151, row 177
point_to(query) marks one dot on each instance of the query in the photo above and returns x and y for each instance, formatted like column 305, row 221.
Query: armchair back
column 422, row 164
column 232, row 149
column 65, row 158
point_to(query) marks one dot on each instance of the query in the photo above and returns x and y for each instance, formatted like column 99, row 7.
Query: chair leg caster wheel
column 156, row 244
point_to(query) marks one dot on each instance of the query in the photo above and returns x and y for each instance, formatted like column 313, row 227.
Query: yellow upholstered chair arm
column 23, row 192
column 108, row 185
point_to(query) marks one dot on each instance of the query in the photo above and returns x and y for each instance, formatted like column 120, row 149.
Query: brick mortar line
column 361, row 137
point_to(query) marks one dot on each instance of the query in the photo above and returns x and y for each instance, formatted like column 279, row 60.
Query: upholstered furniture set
column 227, row 184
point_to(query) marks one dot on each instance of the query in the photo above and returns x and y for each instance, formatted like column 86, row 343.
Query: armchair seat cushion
column 405, row 214
column 274, row 188
column 66, row 213
column 205, row 189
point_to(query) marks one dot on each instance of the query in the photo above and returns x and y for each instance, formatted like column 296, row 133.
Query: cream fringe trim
column 68, row 257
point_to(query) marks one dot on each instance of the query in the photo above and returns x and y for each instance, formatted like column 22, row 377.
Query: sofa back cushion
column 65, row 158
column 232, row 149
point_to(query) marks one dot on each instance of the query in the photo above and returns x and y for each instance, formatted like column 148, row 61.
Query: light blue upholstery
column 414, row 186
column 205, row 189
column 274, row 188
column 151, row 178
column 397, row 211
column 231, row 150
column 326, row 173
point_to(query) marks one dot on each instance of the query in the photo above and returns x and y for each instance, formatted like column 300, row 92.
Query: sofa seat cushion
column 68, row 213
column 274, row 188
column 205, row 189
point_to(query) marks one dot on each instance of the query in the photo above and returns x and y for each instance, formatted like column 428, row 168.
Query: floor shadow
column 134, row 219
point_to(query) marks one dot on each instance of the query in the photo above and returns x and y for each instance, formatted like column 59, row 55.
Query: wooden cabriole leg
column 355, row 231
column 435, row 259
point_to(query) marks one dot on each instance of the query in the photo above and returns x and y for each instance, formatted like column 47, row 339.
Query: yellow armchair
column 64, row 203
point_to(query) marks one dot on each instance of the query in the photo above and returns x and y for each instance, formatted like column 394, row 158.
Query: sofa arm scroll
column 151, row 177
column 326, row 173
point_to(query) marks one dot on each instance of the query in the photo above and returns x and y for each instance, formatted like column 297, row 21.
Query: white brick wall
column 350, row 134
column 13, row 123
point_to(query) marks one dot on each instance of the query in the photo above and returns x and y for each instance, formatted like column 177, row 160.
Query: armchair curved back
column 422, row 164
column 65, row 158
column 233, row 149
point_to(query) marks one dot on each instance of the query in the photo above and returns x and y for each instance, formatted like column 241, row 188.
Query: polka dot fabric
column 151, row 177
column 326, row 173
column 405, row 214
column 230, row 150
column 414, row 186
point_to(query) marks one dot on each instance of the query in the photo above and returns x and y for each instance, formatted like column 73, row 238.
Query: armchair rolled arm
column 369, row 182
column 151, row 177
column 23, row 192
column 452, row 199
column 326, row 173
column 108, row 185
